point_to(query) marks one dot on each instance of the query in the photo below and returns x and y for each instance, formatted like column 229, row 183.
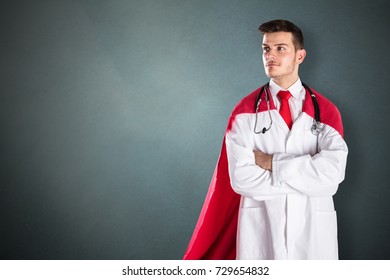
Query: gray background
column 113, row 112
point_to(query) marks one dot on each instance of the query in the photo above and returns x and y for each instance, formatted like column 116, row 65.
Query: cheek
column 289, row 61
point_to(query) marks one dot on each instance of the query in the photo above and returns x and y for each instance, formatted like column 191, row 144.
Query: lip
column 271, row 64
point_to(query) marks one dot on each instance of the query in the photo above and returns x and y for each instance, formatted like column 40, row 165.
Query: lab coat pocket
column 253, row 238
column 310, row 143
column 326, row 233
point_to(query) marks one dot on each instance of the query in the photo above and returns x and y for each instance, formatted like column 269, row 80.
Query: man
column 271, row 193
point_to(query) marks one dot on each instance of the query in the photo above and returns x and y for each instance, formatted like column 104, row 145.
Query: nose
column 270, row 55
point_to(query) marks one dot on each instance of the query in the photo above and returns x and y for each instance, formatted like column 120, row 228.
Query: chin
column 271, row 75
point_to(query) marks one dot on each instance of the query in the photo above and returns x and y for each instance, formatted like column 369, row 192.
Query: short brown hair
column 285, row 26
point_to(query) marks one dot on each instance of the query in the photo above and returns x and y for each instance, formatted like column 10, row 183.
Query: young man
column 282, row 160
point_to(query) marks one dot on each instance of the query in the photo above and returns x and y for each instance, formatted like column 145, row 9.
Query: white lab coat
column 287, row 213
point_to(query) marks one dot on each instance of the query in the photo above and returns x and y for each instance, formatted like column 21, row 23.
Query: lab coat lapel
column 279, row 121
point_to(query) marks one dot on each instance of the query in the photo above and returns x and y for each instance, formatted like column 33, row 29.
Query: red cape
column 214, row 237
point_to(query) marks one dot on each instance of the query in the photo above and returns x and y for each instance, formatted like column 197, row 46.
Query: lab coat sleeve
column 317, row 175
column 247, row 178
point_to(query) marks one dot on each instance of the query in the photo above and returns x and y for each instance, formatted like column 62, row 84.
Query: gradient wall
column 112, row 115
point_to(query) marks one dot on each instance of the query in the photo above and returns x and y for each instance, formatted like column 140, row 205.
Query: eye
column 282, row 49
column 266, row 49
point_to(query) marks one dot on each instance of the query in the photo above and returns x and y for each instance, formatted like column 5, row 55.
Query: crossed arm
column 255, row 173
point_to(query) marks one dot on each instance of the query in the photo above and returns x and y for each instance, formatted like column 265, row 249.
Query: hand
column 263, row 160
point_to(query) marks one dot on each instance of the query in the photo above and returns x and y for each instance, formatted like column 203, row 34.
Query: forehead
column 277, row 38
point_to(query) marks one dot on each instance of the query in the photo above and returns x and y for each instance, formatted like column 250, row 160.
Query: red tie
column 284, row 96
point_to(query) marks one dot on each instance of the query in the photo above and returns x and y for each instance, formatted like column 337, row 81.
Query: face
column 280, row 58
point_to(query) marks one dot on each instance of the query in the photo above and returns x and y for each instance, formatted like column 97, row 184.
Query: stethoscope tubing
column 317, row 126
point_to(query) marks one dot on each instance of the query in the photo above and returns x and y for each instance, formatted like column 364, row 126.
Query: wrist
column 269, row 165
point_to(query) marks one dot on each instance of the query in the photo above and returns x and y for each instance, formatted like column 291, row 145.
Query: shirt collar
column 295, row 89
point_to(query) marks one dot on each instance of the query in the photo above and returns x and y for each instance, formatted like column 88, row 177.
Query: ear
column 301, row 54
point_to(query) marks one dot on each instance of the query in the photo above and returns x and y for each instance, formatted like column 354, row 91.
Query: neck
column 285, row 83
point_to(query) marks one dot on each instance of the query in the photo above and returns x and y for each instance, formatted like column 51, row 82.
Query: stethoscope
column 317, row 126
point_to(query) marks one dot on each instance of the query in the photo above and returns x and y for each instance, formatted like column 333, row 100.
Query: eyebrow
column 281, row 44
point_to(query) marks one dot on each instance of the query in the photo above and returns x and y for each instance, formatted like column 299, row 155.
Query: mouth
column 271, row 64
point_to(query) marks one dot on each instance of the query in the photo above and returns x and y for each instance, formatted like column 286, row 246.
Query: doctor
column 283, row 175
